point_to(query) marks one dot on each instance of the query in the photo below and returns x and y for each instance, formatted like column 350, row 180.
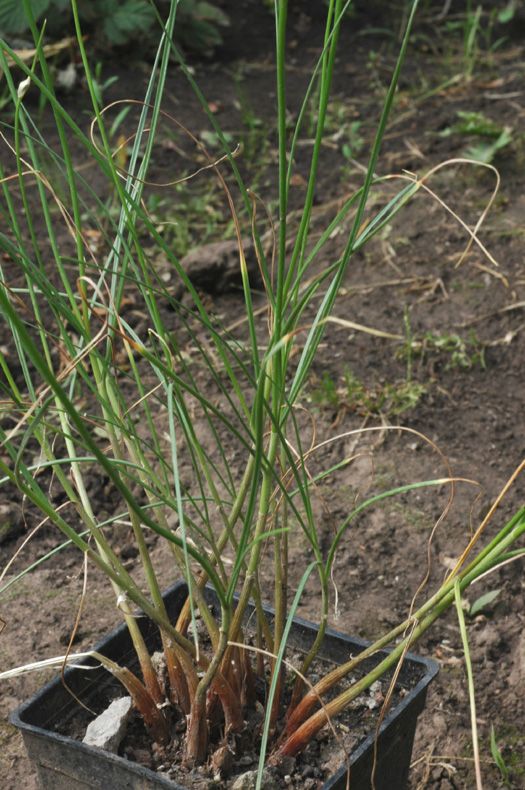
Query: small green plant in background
column 507, row 13
column 446, row 348
column 473, row 123
column 344, row 128
column 482, row 604
column 497, row 756
column 487, row 151
column 471, row 32
column 493, row 137
column 402, row 397
column 458, row 352
column 507, row 751
column 102, row 84
column 393, row 399
column 353, row 141
column 475, row 30
column 479, row 31
column 325, row 393
column 388, row 400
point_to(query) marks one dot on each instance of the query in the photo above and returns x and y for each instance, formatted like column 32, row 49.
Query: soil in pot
column 323, row 764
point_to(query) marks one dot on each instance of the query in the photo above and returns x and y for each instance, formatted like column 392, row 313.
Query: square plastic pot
column 63, row 763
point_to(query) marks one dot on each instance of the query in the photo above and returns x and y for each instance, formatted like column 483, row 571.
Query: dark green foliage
column 12, row 14
column 198, row 24
column 118, row 21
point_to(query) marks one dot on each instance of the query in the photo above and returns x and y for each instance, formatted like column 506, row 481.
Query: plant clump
column 115, row 377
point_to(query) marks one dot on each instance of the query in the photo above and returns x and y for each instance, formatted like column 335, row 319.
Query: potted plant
column 158, row 401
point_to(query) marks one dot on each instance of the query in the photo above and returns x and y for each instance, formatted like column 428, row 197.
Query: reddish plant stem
column 248, row 691
column 230, row 701
column 197, row 735
column 179, row 690
column 153, row 716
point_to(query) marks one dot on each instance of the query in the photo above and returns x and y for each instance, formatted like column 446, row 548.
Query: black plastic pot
column 63, row 763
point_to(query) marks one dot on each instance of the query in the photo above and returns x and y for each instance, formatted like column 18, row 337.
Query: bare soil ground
column 461, row 386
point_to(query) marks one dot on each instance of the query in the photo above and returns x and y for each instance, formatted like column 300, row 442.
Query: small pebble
column 108, row 729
